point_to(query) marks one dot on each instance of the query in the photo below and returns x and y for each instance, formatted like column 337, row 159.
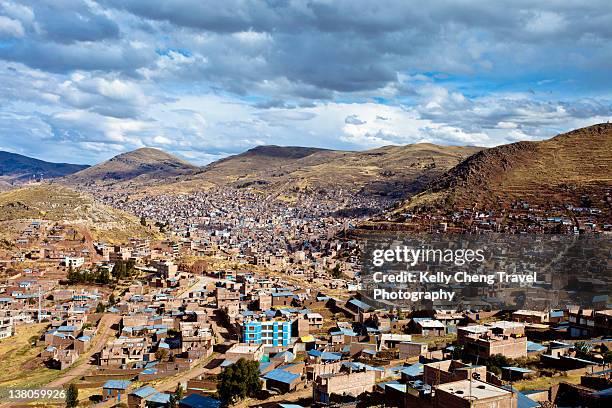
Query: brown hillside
column 554, row 171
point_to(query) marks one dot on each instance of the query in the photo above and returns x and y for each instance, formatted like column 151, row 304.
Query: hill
column 563, row 169
column 16, row 169
column 61, row 204
column 283, row 171
column 143, row 164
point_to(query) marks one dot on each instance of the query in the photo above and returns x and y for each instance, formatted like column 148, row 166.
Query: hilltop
column 283, row 171
column 17, row 169
column 142, row 164
column 554, row 171
column 63, row 205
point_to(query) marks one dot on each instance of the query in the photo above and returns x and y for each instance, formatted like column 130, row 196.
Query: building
column 473, row 394
column 74, row 262
column 505, row 338
column 115, row 390
column 251, row 352
column 269, row 332
column 344, row 383
column 282, row 380
column 6, row 327
column 590, row 323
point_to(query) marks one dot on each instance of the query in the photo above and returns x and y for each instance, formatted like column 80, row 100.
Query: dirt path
column 104, row 329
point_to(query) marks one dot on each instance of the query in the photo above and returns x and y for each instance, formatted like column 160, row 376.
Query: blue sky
column 85, row 80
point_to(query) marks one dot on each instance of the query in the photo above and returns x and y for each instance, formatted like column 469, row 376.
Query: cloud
column 84, row 79
column 353, row 120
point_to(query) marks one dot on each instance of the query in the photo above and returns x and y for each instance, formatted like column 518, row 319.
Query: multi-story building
column 6, row 327
column 267, row 332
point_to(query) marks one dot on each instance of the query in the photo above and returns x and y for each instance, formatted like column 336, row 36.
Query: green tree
column 239, row 381
column 100, row 308
column 161, row 354
column 72, row 396
column 496, row 362
column 176, row 397
column 143, row 221
column 104, row 277
column 179, row 392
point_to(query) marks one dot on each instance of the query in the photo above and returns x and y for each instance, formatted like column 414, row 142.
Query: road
column 104, row 329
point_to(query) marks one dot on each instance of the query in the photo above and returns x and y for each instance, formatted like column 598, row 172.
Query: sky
column 84, row 80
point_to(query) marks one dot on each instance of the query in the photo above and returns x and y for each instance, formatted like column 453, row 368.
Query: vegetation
column 72, row 396
column 77, row 276
column 176, row 396
column 496, row 362
column 239, row 381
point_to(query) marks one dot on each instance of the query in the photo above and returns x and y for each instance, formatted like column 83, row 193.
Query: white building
column 6, row 327
column 74, row 262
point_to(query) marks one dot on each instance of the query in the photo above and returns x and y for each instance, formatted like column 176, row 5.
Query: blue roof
column 159, row 398
column 281, row 376
column 226, row 363
column 600, row 298
column 324, row 355
column 116, row 384
column 556, row 313
column 522, row 400
column 263, row 366
column 144, row 391
column 414, row 370
column 200, row 401
column 604, row 393
column 361, row 305
column 279, row 294
column 534, row 347
column 67, row 328
column 149, row 371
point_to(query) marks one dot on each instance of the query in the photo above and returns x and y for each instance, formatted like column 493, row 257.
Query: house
column 115, row 390
column 6, row 327
column 473, row 394
column 428, row 327
column 441, row 372
column 251, row 352
column 505, row 338
column 409, row 349
column 343, row 383
column 147, row 397
column 282, row 380
column 199, row 401
column 590, row 323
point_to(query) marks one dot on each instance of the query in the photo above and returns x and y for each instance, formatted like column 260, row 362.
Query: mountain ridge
column 567, row 164
column 16, row 168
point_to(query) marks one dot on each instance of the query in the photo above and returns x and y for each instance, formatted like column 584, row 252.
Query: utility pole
column 39, row 303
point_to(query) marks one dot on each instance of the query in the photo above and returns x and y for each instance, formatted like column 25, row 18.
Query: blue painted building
column 268, row 333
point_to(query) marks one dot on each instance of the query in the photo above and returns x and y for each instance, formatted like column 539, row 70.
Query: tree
column 161, row 354
column 104, row 277
column 239, row 381
column 100, row 308
column 179, row 392
column 496, row 362
column 72, row 396
column 176, row 397
column 143, row 221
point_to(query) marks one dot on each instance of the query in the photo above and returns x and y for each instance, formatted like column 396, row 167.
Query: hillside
column 282, row 171
column 143, row 164
column 56, row 203
column 557, row 170
column 16, row 169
